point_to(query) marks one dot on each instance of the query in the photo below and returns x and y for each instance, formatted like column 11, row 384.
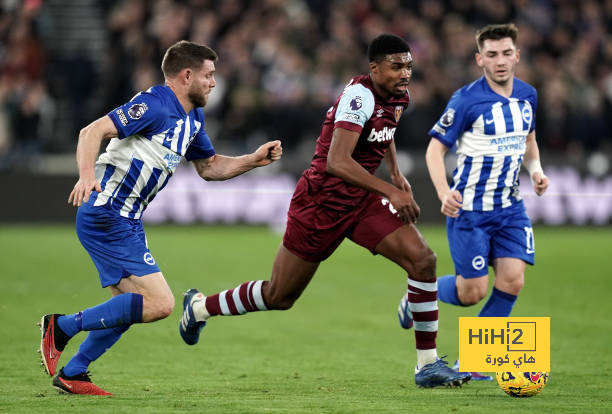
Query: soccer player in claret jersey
column 149, row 136
column 339, row 197
column 491, row 122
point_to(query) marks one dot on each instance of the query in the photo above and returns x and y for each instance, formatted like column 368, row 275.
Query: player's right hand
column 451, row 204
column 81, row 191
column 540, row 183
column 268, row 153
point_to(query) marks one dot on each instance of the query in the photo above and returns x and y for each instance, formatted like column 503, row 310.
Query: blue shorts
column 117, row 245
column 476, row 238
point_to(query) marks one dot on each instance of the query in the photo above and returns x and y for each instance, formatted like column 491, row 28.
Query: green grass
column 339, row 350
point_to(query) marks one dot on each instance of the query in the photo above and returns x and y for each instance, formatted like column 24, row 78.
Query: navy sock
column 124, row 309
column 447, row 290
column 96, row 343
column 499, row 304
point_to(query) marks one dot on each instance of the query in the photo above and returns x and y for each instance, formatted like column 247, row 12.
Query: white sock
column 426, row 356
column 199, row 310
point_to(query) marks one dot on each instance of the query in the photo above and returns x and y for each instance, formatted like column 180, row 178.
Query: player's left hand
column 540, row 183
column 268, row 153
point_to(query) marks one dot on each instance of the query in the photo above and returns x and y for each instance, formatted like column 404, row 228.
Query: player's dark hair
column 496, row 32
column 386, row 44
column 184, row 54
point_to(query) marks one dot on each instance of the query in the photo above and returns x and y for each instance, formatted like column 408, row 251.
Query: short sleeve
column 200, row 147
column 534, row 109
column 355, row 108
column 451, row 124
column 143, row 114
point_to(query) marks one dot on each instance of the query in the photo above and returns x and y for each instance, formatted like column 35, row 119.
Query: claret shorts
column 314, row 229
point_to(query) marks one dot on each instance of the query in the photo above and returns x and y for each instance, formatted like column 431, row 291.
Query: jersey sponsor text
column 386, row 134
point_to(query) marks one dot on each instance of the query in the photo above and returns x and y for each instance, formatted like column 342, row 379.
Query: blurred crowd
column 283, row 63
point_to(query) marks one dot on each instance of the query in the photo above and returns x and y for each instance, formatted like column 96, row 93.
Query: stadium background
column 64, row 63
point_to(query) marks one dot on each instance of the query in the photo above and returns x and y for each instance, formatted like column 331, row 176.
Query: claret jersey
column 489, row 131
column 154, row 134
column 358, row 108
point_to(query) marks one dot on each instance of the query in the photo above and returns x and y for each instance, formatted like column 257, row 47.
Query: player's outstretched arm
column 532, row 163
column 87, row 151
column 221, row 167
column 434, row 157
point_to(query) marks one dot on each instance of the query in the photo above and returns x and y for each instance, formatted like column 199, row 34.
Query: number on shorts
column 529, row 240
column 386, row 202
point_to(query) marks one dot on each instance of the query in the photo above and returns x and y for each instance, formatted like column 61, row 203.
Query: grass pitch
column 339, row 350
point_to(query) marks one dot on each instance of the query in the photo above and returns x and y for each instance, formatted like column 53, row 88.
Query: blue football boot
column 189, row 327
column 404, row 314
column 476, row 376
column 438, row 374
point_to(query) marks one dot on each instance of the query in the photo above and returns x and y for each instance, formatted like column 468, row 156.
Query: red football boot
column 52, row 342
column 79, row 384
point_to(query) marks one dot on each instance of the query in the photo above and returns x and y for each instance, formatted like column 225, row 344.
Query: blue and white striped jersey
column 489, row 131
column 154, row 134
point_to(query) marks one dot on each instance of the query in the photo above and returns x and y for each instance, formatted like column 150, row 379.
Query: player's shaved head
column 184, row 54
column 386, row 44
column 496, row 32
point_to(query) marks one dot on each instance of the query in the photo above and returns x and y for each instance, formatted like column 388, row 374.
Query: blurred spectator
column 282, row 61
column 26, row 110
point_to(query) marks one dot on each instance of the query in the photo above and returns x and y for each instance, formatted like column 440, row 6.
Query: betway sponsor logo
column 386, row 134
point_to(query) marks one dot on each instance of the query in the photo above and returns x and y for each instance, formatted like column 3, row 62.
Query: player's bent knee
column 166, row 309
column 469, row 300
column 471, row 295
column 515, row 286
column 158, row 308
column 161, row 312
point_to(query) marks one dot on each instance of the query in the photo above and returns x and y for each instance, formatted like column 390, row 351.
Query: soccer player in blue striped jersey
column 491, row 122
column 149, row 136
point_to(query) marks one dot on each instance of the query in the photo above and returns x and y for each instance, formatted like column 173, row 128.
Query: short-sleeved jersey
column 489, row 131
column 358, row 108
column 154, row 134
